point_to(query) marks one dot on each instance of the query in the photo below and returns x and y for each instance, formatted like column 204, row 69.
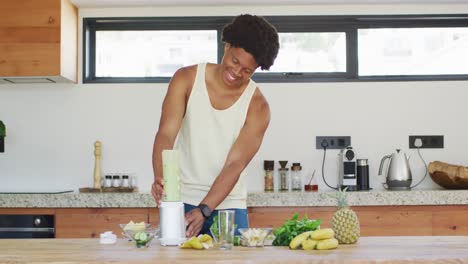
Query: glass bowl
column 142, row 238
column 133, row 226
column 254, row 237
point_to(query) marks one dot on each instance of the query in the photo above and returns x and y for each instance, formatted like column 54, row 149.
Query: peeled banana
column 200, row 242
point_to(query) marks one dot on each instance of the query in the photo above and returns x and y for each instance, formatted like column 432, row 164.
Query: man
column 219, row 117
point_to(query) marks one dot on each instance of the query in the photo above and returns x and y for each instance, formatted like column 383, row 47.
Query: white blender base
column 172, row 222
column 172, row 241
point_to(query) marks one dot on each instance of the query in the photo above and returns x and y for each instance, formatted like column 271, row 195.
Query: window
column 297, row 50
column 152, row 53
column 147, row 49
column 413, row 51
column 312, row 48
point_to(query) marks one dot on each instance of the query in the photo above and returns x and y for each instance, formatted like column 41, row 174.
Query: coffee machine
column 347, row 169
column 171, row 210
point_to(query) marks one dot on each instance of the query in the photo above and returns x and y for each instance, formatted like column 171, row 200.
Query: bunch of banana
column 200, row 242
column 319, row 239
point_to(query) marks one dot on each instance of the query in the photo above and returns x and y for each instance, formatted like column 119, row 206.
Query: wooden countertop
column 428, row 249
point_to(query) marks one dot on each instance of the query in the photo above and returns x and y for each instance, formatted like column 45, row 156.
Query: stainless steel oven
column 27, row 226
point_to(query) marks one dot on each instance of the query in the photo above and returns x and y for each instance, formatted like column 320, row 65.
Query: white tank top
column 204, row 141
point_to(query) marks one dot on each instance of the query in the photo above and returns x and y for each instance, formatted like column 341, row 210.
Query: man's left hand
column 195, row 220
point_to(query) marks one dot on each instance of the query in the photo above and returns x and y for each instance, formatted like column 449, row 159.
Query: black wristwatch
column 205, row 210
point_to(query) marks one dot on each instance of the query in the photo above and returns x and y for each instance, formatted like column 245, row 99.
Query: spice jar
column 296, row 177
column 125, row 182
column 283, row 176
column 116, row 181
column 108, row 181
column 269, row 166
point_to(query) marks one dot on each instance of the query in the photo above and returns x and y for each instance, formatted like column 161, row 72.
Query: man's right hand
column 157, row 190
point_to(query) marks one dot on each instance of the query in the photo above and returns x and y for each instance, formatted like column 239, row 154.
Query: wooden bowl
column 448, row 175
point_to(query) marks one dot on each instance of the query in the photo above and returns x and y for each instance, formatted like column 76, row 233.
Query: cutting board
column 108, row 190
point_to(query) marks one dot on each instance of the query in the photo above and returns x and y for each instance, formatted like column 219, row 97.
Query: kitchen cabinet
column 442, row 220
column 90, row 222
column 38, row 41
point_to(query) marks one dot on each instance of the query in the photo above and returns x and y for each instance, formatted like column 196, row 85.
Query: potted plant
column 2, row 129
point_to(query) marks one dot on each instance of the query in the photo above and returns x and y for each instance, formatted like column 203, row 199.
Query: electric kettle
column 398, row 176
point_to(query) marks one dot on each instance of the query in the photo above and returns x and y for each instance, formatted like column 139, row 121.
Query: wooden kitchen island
column 420, row 249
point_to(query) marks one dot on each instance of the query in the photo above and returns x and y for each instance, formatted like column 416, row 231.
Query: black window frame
column 347, row 24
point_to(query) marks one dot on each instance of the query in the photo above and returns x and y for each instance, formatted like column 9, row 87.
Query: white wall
column 51, row 128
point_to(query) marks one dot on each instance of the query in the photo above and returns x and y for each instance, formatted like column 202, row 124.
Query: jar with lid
column 269, row 166
column 296, row 177
column 125, row 182
column 116, row 181
column 108, row 181
column 283, row 176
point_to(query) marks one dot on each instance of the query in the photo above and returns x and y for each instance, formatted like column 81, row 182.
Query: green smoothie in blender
column 171, row 174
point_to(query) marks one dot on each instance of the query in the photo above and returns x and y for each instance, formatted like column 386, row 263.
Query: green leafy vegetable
column 214, row 227
column 292, row 228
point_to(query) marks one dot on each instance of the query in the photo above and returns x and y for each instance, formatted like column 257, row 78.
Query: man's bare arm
column 172, row 114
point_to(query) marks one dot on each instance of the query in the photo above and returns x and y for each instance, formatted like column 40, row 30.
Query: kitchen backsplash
column 52, row 129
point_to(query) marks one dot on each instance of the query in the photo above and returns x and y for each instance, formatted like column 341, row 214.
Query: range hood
column 39, row 42
column 34, row 79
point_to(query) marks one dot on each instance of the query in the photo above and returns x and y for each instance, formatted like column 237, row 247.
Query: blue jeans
column 241, row 219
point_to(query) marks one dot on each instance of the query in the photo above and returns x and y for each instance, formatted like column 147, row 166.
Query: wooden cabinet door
column 30, row 37
column 89, row 223
column 451, row 221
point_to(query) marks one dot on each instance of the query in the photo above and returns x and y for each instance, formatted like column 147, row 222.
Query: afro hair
column 256, row 36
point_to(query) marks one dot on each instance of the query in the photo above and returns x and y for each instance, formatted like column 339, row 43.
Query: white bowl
column 254, row 237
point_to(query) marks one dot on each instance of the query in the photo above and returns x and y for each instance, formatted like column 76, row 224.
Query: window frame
column 90, row 25
column 287, row 24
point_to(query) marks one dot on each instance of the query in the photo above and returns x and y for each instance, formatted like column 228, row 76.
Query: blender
column 171, row 210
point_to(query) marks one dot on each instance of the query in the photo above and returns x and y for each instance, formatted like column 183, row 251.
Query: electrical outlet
column 434, row 141
column 332, row 142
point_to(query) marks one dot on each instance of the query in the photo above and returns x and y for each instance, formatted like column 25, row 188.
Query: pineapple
column 345, row 222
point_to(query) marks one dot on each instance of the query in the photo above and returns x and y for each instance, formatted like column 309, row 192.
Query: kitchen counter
column 422, row 249
column 260, row 199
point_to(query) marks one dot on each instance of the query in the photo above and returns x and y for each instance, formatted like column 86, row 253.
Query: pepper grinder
column 283, row 174
column 97, row 165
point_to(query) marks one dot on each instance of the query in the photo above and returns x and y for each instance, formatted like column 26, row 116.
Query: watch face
column 205, row 210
